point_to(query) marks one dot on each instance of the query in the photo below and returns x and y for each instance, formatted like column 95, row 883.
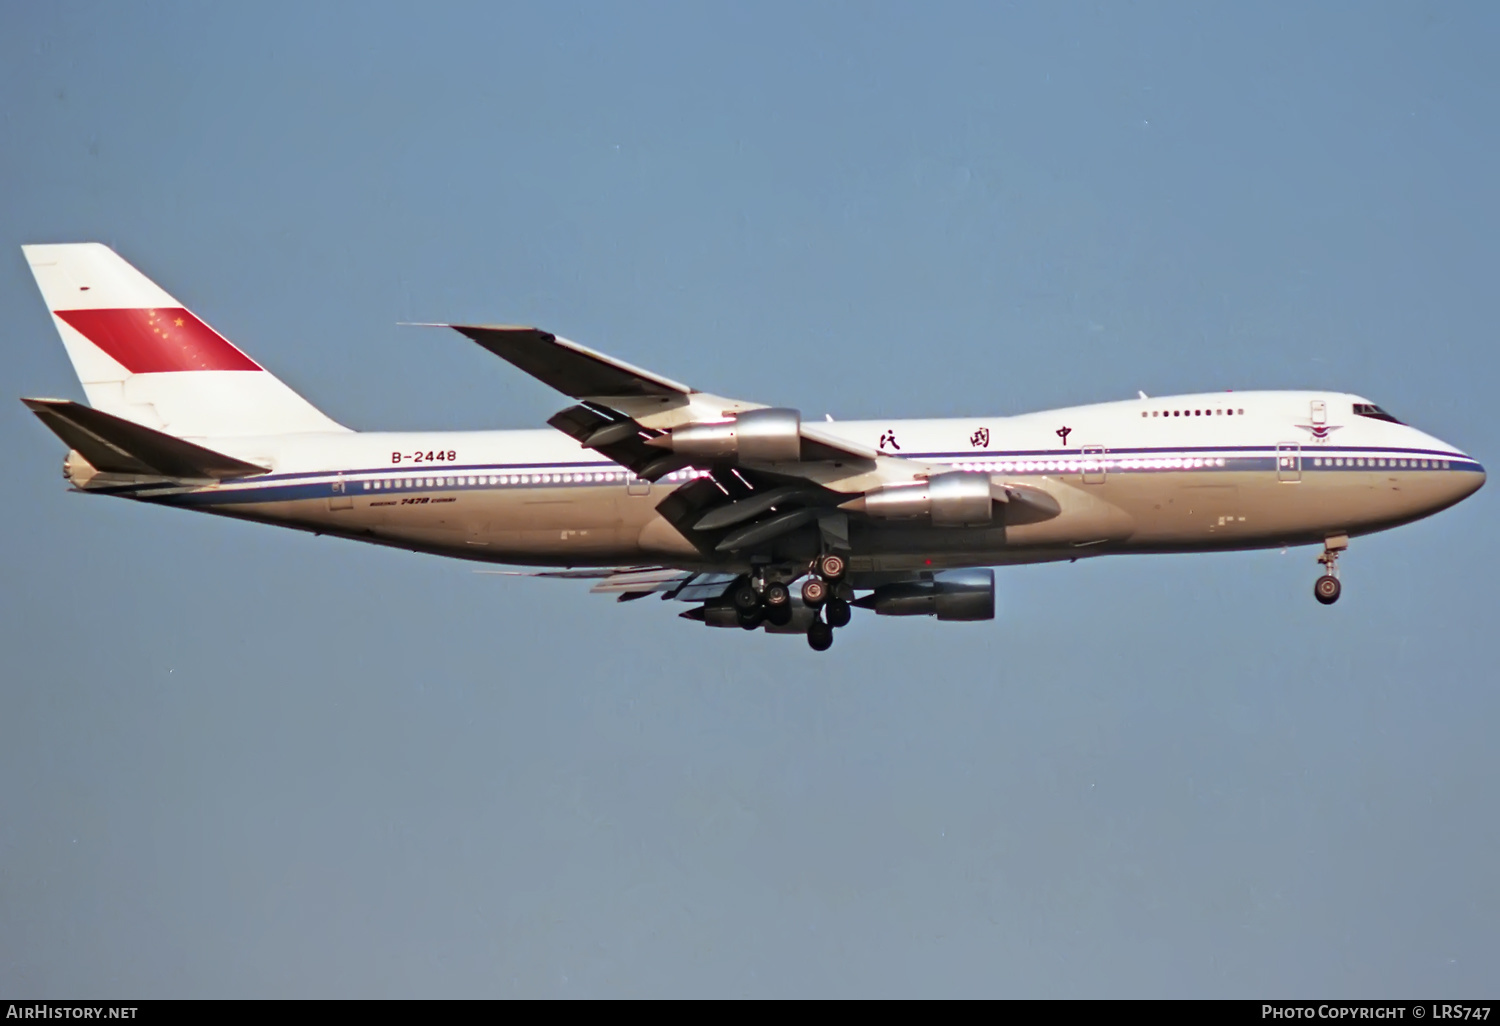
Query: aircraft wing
column 623, row 406
column 765, row 473
column 570, row 368
column 633, row 582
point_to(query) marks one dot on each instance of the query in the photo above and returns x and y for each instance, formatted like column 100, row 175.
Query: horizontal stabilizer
column 114, row 445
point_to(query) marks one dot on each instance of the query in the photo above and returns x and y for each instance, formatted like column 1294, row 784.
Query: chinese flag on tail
column 157, row 341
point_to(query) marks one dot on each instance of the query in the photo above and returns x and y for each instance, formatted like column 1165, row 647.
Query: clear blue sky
column 241, row 761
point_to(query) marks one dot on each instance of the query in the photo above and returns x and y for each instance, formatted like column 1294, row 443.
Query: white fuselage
column 1174, row 474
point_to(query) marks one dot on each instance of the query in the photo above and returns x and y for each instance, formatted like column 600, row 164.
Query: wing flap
column 703, row 588
column 633, row 582
column 642, row 581
column 617, row 437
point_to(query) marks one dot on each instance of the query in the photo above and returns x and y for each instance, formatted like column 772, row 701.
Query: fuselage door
column 1289, row 462
column 1319, row 412
column 339, row 499
column 1093, row 464
column 637, row 486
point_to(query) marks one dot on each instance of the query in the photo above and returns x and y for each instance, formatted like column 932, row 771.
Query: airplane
column 650, row 487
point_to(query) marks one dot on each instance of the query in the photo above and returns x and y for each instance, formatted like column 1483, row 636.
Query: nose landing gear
column 1327, row 588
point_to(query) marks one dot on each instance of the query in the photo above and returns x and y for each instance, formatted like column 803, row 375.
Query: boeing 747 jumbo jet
column 648, row 486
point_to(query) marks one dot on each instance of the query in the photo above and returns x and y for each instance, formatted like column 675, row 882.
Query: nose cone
column 1461, row 477
column 1450, row 479
column 1476, row 482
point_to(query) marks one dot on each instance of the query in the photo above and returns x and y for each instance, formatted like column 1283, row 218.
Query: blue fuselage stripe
column 377, row 482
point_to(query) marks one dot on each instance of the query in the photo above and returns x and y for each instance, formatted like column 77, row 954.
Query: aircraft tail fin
column 114, row 445
column 144, row 357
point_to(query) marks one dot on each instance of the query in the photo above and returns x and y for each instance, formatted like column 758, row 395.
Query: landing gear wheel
column 1327, row 590
column 779, row 616
column 814, row 592
column 745, row 597
column 776, row 595
column 820, row 636
column 838, row 613
column 832, row 566
column 749, row 619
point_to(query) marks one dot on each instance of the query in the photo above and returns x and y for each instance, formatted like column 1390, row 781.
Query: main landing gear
column 1327, row 588
column 827, row 594
column 770, row 602
column 759, row 600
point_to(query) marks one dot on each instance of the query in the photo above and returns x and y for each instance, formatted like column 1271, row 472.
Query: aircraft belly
column 535, row 523
column 541, row 525
column 1185, row 508
column 1255, row 508
column 1365, row 501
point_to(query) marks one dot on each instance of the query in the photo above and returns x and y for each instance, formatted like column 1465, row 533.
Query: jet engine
column 950, row 595
column 721, row 613
column 755, row 436
column 958, row 498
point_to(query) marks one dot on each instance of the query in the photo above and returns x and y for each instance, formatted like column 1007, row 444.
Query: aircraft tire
column 1327, row 589
column 777, row 595
column 814, row 592
column 745, row 597
column 838, row 613
column 832, row 566
column 820, row 636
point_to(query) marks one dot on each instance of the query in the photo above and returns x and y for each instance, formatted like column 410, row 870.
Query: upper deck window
column 1373, row 412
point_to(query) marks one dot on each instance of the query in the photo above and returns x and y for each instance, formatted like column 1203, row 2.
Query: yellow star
column 178, row 322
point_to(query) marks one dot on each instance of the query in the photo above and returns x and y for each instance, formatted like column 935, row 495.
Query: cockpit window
column 1373, row 412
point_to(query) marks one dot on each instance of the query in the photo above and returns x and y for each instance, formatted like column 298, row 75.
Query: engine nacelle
column 959, row 498
column 721, row 613
column 755, row 436
column 950, row 595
